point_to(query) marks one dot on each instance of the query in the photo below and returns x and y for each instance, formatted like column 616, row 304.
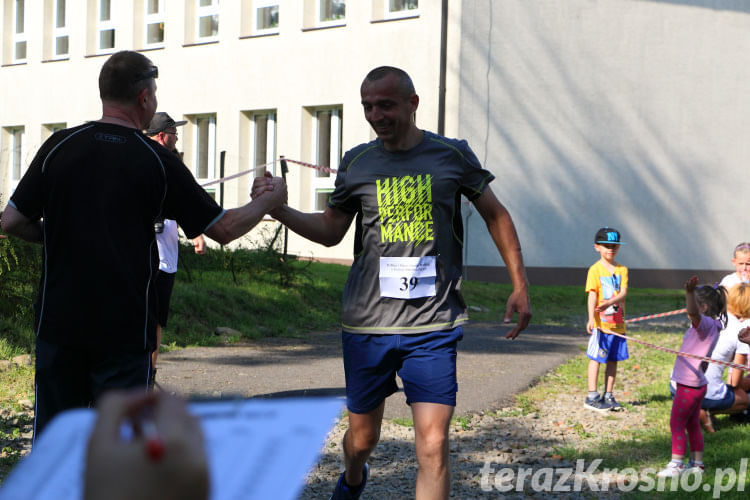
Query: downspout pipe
column 443, row 58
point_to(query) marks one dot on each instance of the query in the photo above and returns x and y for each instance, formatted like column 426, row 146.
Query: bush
column 20, row 270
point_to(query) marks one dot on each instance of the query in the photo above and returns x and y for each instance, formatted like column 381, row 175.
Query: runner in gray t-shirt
column 402, row 309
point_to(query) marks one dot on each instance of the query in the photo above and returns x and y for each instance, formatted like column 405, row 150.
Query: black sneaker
column 342, row 491
column 597, row 404
column 613, row 405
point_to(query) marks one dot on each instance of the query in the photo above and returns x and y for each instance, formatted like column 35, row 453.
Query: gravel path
column 491, row 431
column 491, row 370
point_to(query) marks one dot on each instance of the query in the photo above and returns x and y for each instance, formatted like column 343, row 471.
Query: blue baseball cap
column 608, row 235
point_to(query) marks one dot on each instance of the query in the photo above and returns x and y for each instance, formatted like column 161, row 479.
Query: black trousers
column 75, row 377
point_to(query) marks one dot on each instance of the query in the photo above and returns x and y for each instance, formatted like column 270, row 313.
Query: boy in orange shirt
column 606, row 286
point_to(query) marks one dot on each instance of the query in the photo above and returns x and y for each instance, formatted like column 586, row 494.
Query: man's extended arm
column 327, row 228
column 503, row 232
column 238, row 221
column 17, row 224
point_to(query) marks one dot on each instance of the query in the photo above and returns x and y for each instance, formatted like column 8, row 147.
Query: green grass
column 647, row 447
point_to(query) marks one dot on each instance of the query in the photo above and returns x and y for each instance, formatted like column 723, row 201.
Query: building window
column 326, row 151
column 60, row 35
column 327, row 139
column 154, row 20
column 207, row 26
column 263, row 133
column 204, row 147
column 19, row 31
column 17, row 154
column 321, row 199
column 400, row 8
column 331, row 12
column 50, row 128
column 266, row 17
column 105, row 27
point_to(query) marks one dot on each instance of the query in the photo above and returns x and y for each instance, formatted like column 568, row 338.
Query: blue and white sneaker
column 342, row 491
column 613, row 404
column 597, row 404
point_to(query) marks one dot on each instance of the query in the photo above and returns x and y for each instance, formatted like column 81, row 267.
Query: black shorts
column 164, row 285
column 74, row 377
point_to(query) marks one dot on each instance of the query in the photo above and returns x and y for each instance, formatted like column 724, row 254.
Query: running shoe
column 613, row 404
column 673, row 469
column 597, row 404
column 693, row 468
column 342, row 491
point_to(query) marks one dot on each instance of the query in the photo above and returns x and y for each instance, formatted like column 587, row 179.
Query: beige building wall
column 293, row 71
column 628, row 113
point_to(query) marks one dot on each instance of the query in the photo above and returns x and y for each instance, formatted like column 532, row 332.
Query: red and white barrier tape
column 659, row 315
column 310, row 165
column 683, row 354
column 238, row 174
column 245, row 172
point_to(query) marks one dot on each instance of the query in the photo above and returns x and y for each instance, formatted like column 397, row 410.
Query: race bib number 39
column 407, row 277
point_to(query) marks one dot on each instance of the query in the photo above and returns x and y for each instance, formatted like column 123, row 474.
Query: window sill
column 395, row 18
column 259, row 35
column 102, row 54
column 324, row 27
column 206, row 42
column 20, row 63
column 56, row 59
column 149, row 49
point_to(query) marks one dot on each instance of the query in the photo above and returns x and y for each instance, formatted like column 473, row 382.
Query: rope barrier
column 683, row 354
column 239, row 174
column 659, row 315
column 316, row 167
column 727, row 364
column 263, row 167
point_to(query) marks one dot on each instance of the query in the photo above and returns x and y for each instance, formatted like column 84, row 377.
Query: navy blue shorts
column 426, row 363
column 610, row 348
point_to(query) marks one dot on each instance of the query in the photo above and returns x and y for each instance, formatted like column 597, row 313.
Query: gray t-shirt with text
column 406, row 273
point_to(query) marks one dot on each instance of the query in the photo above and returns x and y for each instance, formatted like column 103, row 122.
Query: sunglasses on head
column 151, row 73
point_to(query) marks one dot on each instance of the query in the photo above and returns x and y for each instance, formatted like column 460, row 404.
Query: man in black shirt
column 91, row 196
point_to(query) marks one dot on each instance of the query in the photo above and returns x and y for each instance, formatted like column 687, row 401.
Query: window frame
column 398, row 14
column 328, row 23
column 262, row 4
column 318, row 192
column 270, row 157
column 211, row 167
column 321, row 180
column 158, row 18
column 202, row 11
column 19, row 37
column 11, row 134
column 60, row 31
column 103, row 25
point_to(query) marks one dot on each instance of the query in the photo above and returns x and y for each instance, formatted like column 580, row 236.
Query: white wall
column 628, row 113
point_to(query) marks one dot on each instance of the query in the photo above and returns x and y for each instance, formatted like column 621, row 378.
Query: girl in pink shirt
column 706, row 308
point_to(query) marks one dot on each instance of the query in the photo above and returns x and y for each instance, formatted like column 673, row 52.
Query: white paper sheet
column 257, row 449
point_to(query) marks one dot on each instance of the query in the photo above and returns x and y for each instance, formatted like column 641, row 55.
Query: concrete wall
column 628, row 113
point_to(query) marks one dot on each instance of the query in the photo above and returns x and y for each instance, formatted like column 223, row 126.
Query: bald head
column 404, row 84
